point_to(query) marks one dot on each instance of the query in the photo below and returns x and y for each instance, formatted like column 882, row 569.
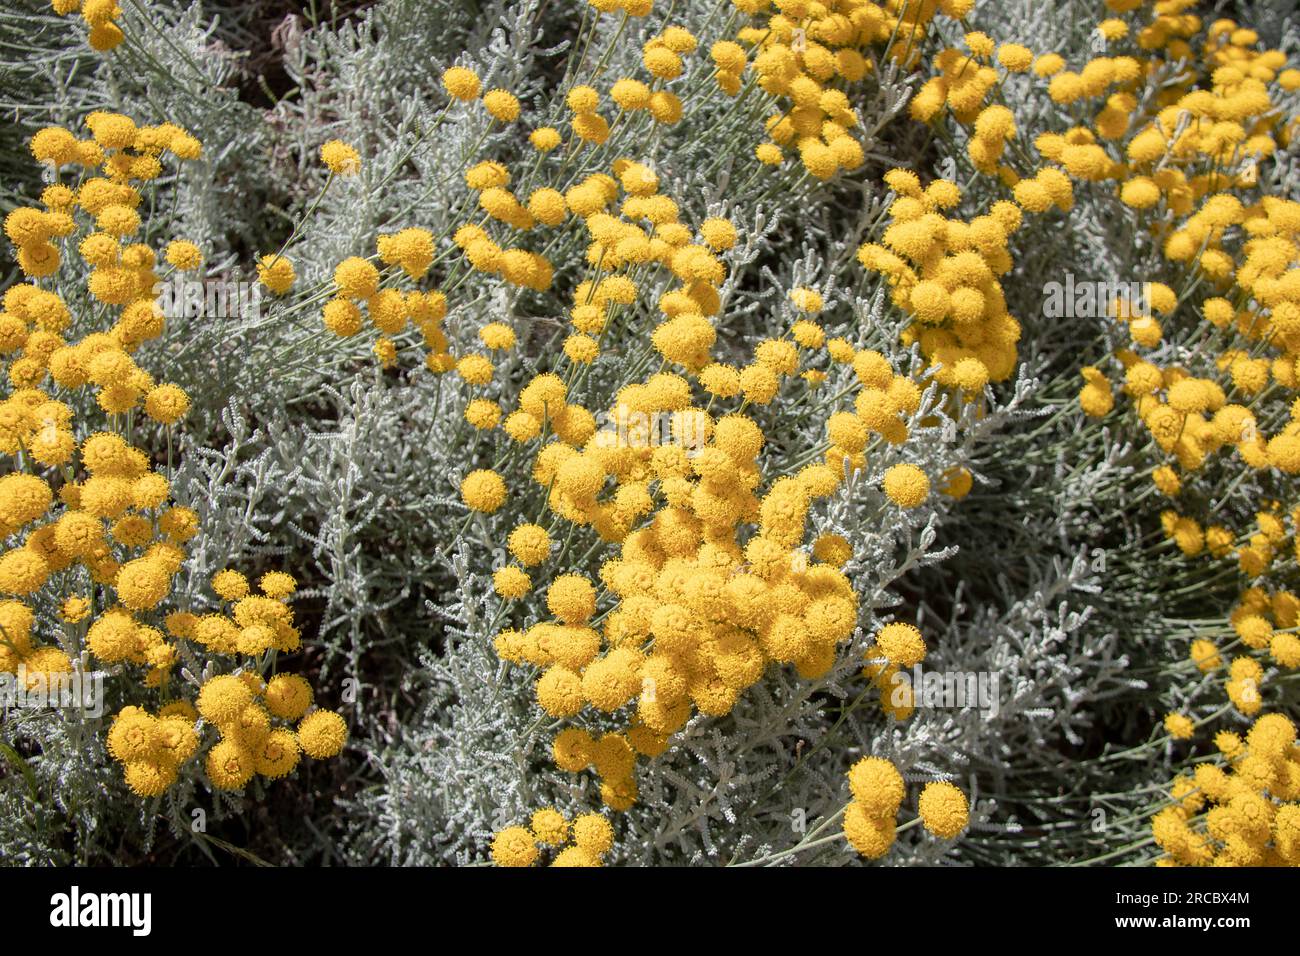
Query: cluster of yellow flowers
column 683, row 579
column 584, row 841
column 943, row 274
column 257, row 622
column 1186, row 163
column 710, row 583
column 690, row 628
column 389, row 309
column 877, row 790
column 100, row 16
column 716, row 612
column 897, row 646
column 120, row 507
column 699, row 615
column 1178, row 158
column 17, row 648
column 801, row 50
column 1242, row 810
column 714, row 575
column 243, row 708
column 87, row 519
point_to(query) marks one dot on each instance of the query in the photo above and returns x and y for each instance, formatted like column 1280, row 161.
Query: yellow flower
column 575, row 856
column 581, row 349
column 544, row 139
column 322, row 734
column 719, row 234
column 833, row 549
column 502, row 105
column 483, row 413
column 278, row 754
column 1140, row 192
column 230, row 766
column 185, row 256
column 1049, row 64
column 287, row 696
column 385, row 350
column 1113, row 29
column 549, row 826
column 511, row 582
column 230, row 585
column 662, row 62
column 150, row 778
column 276, row 273
column 877, row 786
column 356, row 278
column 1014, row 57
column 54, row 145
column 142, row 583
column 1179, row 726
column 1205, row 655
column 530, row 544
column 342, row 159
column 277, row 584
column 906, row 485
column 630, row 94
column 133, row 736
column 571, row 598
column 461, row 83
column 166, row 403
column 901, row 643
column 223, row 698
column 871, row 836
column 980, row 44
column 23, row 498
column 559, row 691
column 483, row 490
column 592, row 833
column 475, row 369
column 943, row 808
column 959, row 483
column 514, row 846
column 74, row 609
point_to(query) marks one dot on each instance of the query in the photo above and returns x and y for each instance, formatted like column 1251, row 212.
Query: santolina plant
column 656, row 436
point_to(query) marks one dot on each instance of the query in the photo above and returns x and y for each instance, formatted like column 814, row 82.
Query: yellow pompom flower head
column 461, row 83
column 906, row 485
column 944, row 810
column 276, row 272
column 483, row 490
column 322, row 734
column 343, row 160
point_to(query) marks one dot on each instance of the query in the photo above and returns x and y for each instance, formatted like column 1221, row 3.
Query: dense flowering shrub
column 736, row 432
column 106, row 554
